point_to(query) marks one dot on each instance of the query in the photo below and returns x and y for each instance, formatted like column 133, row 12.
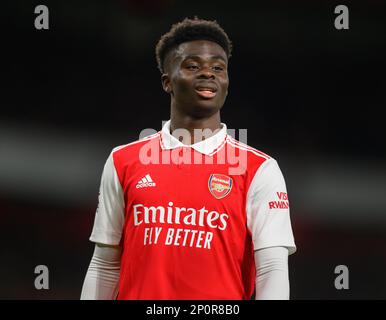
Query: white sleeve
column 272, row 281
column 268, row 215
column 109, row 217
column 102, row 278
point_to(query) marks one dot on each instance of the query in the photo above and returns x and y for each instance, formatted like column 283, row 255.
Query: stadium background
column 311, row 96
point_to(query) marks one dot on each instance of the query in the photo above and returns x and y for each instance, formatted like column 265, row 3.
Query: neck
column 184, row 121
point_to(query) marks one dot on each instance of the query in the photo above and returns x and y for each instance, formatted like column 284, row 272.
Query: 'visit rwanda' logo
column 219, row 185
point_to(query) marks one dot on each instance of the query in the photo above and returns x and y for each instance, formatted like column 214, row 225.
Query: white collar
column 205, row 146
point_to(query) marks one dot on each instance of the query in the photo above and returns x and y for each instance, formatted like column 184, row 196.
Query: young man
column 174, row 220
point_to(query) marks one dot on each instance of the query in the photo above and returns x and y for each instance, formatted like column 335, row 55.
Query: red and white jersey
column 187, row 219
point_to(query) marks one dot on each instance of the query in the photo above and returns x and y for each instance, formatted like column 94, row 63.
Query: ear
column 166, row 83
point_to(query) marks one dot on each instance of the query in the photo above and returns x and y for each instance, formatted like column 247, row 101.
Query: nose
column 206, row 73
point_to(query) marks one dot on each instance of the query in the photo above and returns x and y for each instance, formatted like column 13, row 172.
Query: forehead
column 201, row 48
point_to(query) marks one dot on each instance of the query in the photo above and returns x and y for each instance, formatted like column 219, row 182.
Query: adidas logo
column 145, row 182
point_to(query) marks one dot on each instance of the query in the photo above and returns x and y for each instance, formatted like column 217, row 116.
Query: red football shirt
column 190, row 217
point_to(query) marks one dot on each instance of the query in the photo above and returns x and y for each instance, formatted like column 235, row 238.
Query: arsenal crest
column 219, row 185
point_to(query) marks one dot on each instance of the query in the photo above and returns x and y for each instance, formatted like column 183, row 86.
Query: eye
column 192, row 67
column 218, row 68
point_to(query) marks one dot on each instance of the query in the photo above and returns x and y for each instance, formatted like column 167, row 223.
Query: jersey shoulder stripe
column 246, row 147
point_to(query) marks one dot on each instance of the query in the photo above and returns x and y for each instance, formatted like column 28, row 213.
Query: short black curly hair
column 189, row 30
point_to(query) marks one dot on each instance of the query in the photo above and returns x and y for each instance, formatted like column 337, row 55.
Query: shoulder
column 131, row 151
column 254, row 155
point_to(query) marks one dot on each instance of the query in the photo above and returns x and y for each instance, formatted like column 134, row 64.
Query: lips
column 206, row 91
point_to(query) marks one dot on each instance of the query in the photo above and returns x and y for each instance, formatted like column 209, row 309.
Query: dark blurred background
column 310, row 96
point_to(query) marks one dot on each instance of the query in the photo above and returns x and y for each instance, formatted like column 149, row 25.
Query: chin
column 205, row 108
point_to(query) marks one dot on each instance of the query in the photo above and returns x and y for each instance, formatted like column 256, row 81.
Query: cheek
column 182, row 85
column 224, row 83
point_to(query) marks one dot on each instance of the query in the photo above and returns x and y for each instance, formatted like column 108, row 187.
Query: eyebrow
column 214, row 57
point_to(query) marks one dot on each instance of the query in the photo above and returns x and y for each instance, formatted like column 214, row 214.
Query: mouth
column 206, row 92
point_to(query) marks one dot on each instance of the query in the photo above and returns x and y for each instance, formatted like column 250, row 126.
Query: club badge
column 219, row 185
